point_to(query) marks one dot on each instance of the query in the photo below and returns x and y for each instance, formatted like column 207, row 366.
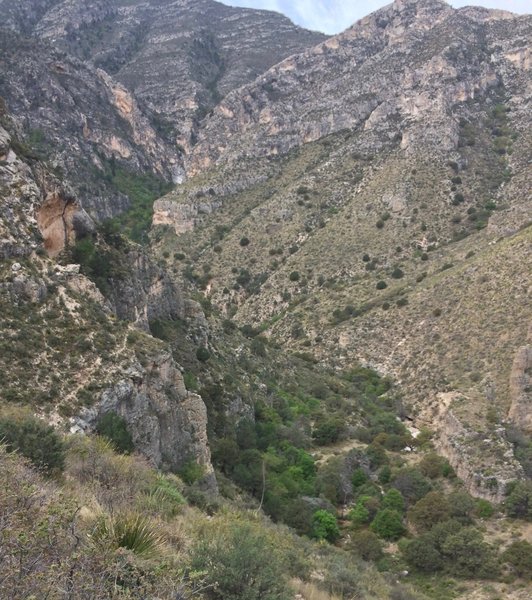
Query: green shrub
column 388, row 524
column 377, row 455
column 519, row 556
column 412, row 484
column 367, row 545
column 431, row 509
column 432, row 465
column 142, row 191
column 519, row 501
column 483, row 508
column 325, row 526
column 393, row 499
column 240, row 563
column 114, row 428
column 202, row 354
column 244, row 242
column 359, row 477
column 397, row 273
column 460, row 551
column 422, row 554
column 294, row 276
column 191, row 472
column 35, row 440
column 381, row 285
column 359, row 515
column 164, row 495
column 328, row 431
column 385, row 475
column 462, row 506
column 467, row 555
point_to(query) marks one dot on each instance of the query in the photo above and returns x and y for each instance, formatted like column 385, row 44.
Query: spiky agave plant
column 129, row 531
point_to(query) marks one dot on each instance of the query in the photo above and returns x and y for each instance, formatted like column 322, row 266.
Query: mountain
column 130, row 82
column 381, row 182
column 264, row 292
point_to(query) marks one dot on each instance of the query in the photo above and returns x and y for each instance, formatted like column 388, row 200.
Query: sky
column 333, row 16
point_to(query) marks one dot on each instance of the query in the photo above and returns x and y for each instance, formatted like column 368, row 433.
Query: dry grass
column 309, row 591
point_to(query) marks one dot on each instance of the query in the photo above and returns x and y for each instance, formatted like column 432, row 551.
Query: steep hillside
column 112, row 93
column 320, row 352
column 377, row 240
column 75, row 337
column 178, row 58
column 81, row 122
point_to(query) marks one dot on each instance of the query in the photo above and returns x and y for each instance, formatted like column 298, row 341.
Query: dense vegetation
column 112, row 527
column 142, row 189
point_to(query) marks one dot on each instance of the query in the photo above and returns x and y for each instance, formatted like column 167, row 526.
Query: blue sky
column 332, row 16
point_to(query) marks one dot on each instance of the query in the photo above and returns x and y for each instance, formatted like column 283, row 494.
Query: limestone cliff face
column 520, row 412
column 80, row 121
column 397, row 72
column 168, row 423
column 41, row 215
column 471, row 453
column 98, row 84
column 178, row 58
column 145, row 292
column 19, row 234
column 61, row 221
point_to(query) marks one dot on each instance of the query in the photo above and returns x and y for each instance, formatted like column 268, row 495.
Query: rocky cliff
column 168, row 424
column 100, row 86
column 84, row 357
column 398, row 72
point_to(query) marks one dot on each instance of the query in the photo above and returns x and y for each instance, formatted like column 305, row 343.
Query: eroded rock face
column 20, row 199
column 484, row 461
column 99, row 84
column 520, row 412
column 178, row 58
column 168, row 423
column 81, row 122
column 182, row 217
column 397, row 72
column 145, row 293
column 61, row 221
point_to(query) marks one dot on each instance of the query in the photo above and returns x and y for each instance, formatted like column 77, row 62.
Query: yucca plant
column 163, row 497
column 128, row 531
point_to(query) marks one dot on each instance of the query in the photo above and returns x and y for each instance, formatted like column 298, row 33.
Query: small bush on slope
column 35, row 440
column 241, row 564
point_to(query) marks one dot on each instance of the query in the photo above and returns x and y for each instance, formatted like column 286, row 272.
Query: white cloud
column 332, row 16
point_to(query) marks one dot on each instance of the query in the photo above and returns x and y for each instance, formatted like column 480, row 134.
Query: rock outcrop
column 21, row 198
column 483, row 460
column 145, row 292
column 520, row 412
column 61, row 221
column 168, row 423
column 83, row 124
column 97, row 86
column 41, row 215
